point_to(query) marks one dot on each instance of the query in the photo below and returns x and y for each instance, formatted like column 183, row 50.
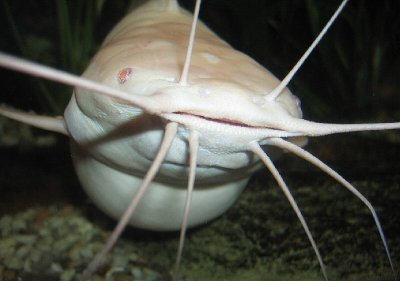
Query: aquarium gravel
column 56, row 243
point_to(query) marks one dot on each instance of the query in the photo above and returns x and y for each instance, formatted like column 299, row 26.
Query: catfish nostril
column 211, row 58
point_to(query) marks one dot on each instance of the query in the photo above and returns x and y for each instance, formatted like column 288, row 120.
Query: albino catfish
column 168, row 123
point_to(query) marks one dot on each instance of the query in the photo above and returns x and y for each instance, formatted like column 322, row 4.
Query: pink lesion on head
column 124, row 75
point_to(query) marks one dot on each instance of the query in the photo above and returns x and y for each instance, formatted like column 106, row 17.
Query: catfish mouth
column 226, row 128
column 225, row 121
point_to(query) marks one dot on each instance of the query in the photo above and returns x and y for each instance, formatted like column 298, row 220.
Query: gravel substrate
column 56, row 243
column 259, row 239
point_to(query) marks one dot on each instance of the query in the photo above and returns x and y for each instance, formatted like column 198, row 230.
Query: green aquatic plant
column 58, row 33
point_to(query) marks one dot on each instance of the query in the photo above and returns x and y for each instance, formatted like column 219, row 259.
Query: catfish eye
column 124, row 74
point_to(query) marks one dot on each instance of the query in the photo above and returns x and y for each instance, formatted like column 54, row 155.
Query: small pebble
column 67, row 275
column 56, row 267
